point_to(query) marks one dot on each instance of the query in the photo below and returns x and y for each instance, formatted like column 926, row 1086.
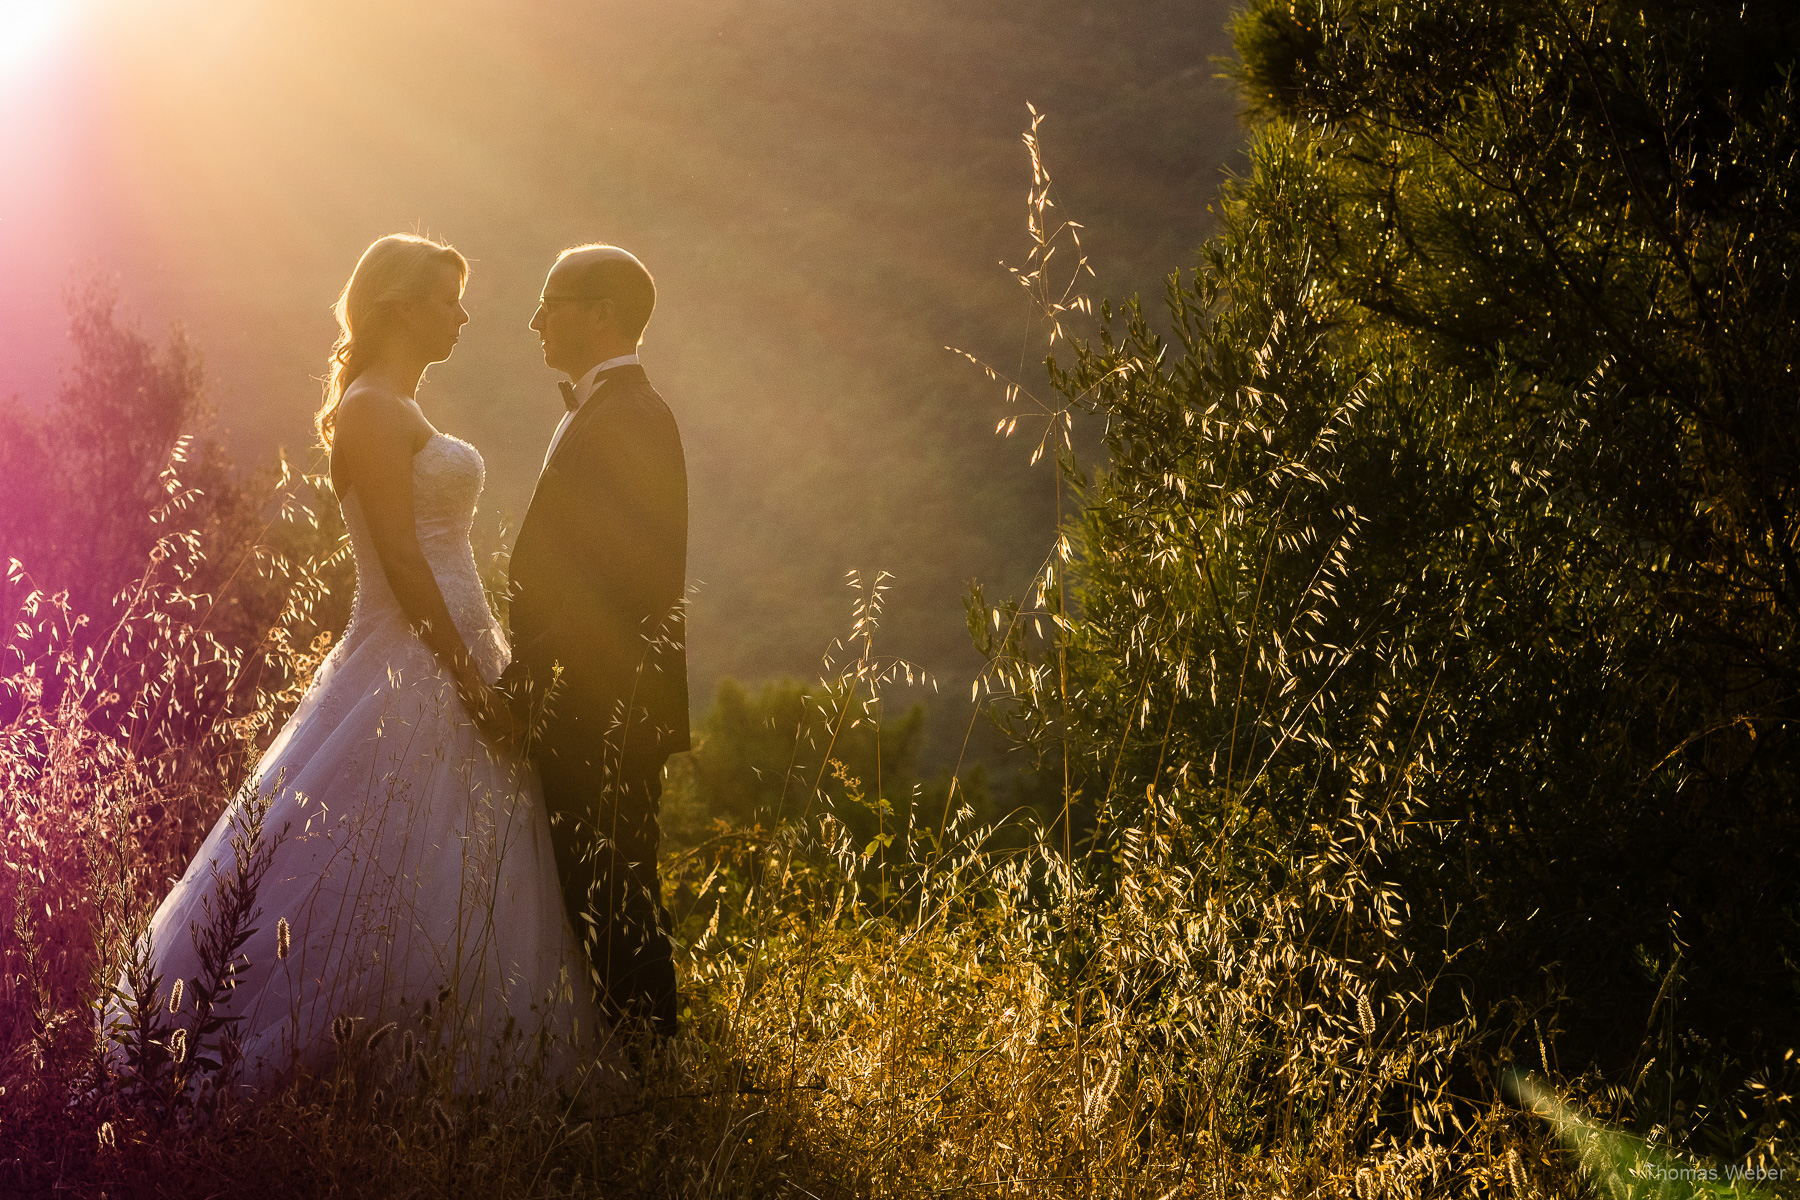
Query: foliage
column 892, row 1018
column 773, row 756
column 1462, row 504
column 892, row 1022
column 131, row 697
column 82, row 485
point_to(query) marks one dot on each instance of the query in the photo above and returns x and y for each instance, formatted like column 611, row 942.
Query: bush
column 1458, row 507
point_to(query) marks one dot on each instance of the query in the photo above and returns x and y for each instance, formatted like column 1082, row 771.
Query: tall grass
column 124, row 733
column 932, row 1015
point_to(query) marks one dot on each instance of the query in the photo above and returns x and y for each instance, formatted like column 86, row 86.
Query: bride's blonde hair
column 398, row 267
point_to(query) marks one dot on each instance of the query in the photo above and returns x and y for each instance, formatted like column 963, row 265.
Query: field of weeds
column 945, row 1008
column 921, row 1017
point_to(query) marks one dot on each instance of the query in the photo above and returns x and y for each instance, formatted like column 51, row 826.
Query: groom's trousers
column 606, row 840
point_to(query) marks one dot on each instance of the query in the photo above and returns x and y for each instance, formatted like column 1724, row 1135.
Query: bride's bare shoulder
column 367, row 403
column 377, row 430
column 378, row 416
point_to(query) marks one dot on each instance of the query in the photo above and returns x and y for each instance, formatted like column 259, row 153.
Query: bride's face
column 435, row 320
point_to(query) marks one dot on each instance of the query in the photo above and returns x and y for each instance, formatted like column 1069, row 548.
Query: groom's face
column 566, row 321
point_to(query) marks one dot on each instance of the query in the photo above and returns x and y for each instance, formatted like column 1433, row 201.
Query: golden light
column 28, row 28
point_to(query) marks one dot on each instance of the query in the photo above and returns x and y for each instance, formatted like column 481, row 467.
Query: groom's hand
column 487, row 707
column 513, row 693
column 528, row 703
column 494, row 718
column 514, row 687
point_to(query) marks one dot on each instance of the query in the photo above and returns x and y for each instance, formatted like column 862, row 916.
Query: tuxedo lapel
column 600, row 553
column 612, row 378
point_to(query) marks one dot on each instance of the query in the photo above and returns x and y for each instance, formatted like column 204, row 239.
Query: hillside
column 824, row 190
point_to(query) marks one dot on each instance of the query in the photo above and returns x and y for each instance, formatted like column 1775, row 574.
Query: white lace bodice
column 447, row 478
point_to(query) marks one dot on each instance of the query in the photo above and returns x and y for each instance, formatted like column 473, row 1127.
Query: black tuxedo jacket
column 596, row 582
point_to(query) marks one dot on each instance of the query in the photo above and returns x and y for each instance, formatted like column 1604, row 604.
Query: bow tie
column 568, row 391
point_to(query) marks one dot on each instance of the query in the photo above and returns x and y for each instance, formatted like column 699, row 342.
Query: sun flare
column 27, row 29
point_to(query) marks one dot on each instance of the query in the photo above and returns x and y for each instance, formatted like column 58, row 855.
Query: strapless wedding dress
column 412, row 863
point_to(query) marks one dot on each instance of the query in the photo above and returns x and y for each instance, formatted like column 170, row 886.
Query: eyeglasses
column 543, row 300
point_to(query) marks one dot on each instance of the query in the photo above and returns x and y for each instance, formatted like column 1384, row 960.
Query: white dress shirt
column 584, row 388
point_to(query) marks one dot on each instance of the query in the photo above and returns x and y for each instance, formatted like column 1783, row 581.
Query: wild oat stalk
column 230, row 910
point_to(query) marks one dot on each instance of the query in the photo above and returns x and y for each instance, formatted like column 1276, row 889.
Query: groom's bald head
column 602, row 272
column 597, row 300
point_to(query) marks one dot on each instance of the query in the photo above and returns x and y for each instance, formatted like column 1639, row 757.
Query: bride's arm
column 372, row 453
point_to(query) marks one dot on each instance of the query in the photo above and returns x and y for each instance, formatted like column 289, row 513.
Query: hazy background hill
column 823, row 189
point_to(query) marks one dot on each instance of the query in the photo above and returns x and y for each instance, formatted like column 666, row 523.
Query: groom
column 598, row 635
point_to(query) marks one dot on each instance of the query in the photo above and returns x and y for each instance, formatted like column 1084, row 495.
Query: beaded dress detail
column 412, row 862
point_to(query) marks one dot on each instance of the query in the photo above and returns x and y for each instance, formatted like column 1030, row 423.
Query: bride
column 411, row 863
